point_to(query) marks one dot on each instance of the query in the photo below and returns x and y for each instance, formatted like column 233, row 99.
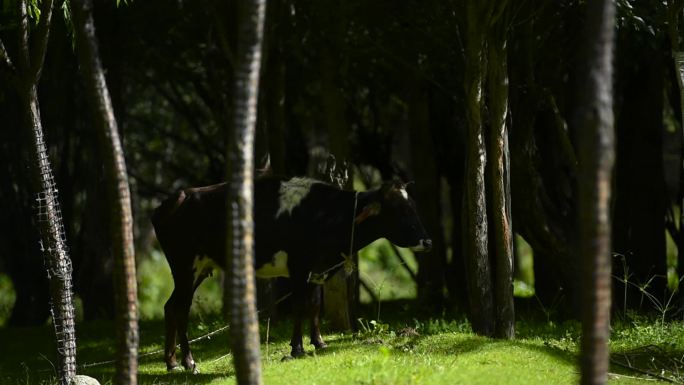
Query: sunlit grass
column 399, row 352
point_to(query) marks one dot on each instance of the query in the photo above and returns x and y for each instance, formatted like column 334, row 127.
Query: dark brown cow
column 303, row 231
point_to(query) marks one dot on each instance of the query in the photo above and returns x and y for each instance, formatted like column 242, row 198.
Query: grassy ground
column 397, row 352
column 395, row 345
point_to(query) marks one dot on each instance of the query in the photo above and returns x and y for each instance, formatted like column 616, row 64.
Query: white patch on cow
column 276, row 268
column 292, row 192
column 404, row 193
column 203, row 265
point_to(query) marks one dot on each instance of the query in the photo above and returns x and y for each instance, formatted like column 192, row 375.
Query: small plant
column 662, row 307
column 373, row 327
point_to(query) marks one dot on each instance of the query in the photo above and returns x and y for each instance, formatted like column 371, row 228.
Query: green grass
column 392, row 347
column 398, row 352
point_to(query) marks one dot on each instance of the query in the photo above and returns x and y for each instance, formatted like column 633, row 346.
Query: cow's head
column 394, row 212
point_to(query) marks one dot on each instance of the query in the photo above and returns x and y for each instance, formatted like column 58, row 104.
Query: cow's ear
column 368, row 211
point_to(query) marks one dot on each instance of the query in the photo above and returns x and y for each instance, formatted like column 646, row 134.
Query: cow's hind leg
column 177, row 311
column 184, row 306
column 315, row 299
column 170, row 319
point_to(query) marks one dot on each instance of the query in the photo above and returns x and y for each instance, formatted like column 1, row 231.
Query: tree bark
column 118, row 194
column 593, row 121
column 475, row 222
column 25, row 76
column 53, row 243
column 244, row 329
column 499, row 184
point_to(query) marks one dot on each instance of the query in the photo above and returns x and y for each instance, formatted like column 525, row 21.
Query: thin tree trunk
column 593, row 121
column 53, row 244
column 475, row 221
column 499, row 186
column 244, row 323
column 118, row 194
column 25, row 76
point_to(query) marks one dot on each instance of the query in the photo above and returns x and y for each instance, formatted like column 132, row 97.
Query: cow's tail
column 167, row 208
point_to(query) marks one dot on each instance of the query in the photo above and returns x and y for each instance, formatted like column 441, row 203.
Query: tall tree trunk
column 25, row 76
column 117, row 193
column 475, row 222
column 244, row 328
column 499, row 186
column 593, row 121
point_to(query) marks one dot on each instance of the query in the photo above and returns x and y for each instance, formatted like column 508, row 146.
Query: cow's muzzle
column 424, row 245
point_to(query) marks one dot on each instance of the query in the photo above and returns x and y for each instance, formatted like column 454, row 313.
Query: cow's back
column 192, row 223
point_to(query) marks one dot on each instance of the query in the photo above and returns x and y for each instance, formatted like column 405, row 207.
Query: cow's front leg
column 315, row 299
column 298, row 305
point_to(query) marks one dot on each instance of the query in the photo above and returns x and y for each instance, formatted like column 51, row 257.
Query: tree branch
column 4, row 57
column 23, row 56
column 40, row 40
column 7, row 68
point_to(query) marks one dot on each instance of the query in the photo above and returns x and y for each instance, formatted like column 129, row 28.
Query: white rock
column 83, row 380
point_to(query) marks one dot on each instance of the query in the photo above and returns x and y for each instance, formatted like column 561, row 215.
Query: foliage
column 7, row 298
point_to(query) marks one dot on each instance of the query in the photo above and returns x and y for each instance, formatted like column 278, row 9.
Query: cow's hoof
column 320, row 345
column 174, row 368
column 192, row 368
column 297, row 352
column 287, row 358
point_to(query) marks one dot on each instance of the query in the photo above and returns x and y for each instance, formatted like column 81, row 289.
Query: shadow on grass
column 182, row 378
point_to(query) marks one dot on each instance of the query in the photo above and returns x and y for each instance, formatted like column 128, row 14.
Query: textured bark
column 499, row 185
column 593, row 121
column 25, row 76
column 117, row 194
column 476, row 239
column 244, row 330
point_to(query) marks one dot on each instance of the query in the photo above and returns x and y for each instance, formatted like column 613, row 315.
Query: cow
column 304, row 229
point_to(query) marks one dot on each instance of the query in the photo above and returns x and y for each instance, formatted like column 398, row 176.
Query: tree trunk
column 25, row 76
column 593, row 122
column 475, row 221
column 499, row 186
column 244, row 330
column 117, row 194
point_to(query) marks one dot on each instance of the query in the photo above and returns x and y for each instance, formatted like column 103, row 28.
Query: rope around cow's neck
column 348, row 258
